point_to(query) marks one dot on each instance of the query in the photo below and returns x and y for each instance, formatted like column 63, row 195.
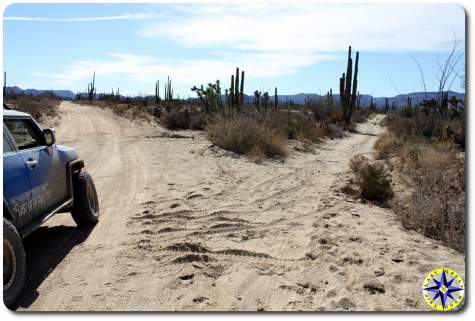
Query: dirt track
column 187, row 226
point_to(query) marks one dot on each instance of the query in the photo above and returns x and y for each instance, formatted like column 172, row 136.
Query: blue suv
column 40, row 179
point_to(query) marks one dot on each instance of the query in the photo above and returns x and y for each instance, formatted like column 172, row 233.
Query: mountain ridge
column 298, row 98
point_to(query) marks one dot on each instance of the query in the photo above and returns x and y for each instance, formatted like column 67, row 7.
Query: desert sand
column 187, row 226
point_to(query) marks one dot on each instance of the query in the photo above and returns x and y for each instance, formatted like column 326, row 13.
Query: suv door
column 16, row 182
column 47, row 175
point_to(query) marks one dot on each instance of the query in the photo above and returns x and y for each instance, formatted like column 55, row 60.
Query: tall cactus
column 241, row 90
column 386, row 106
column 330, row 97
column 348, row 87
column 168, row 90
column 219, row 97
column 276, row 99
column 231, row 92
column 257, row 99
column 236, row 88
column 91, row 88
column 236, row 91
column 266, row 100
column 157, row 92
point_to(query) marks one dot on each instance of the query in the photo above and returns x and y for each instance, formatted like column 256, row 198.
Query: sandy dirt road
column 187, row 226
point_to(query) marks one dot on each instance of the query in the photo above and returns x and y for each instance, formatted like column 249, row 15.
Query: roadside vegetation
column 425, row 144
column 258, row 125
column 43, row 108
column 372, row 179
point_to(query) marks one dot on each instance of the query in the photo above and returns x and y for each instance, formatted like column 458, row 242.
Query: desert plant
column 373, row 179
column 347, row 89
column 157, row 92
column 91, row 88
column 386, row 146
column 243, row 134
column 330, row 97
column 176, row 119
column 436, row 206
column 257, row 99
column 41, row 108
column 236, row 91
column 168, row 90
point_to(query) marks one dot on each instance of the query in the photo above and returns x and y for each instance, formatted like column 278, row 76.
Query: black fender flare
column 73, row 168
column 8, row 213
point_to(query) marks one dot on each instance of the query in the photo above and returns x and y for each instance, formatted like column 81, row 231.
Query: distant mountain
column 64, row 94
column 400, row 100
column 300, row 98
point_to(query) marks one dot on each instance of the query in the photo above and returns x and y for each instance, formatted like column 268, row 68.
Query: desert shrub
column 436, row 206
column 386, row 146
column 300, row 126
column 198, row 121
column 361, row 115
column 120, row 109
column 431, row 127
column 41, row 108
column 373, row 179
column 333, row 131
column 430, row 146
column 176, row 119
column 245, row 135
column 183, row 119
column 419, row 157
column 400, row 126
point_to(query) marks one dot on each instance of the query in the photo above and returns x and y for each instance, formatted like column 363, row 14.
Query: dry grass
column 244, row 135
column 268, row 130
column 185, row 118
column 41, row 108
column 386, row 146
column 372, row 179
column 436, row 207
column 432, row 164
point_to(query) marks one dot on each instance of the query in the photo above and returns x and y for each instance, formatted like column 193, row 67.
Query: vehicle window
column 6, row 144
column 23, row 133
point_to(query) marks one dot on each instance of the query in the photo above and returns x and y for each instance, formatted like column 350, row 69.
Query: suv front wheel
column 85, row 209
column 14, row 264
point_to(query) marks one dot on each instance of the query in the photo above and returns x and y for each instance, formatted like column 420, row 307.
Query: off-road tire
column 85, row 209
column 14, row 261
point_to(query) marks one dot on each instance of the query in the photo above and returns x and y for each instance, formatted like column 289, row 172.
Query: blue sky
column 298, row 47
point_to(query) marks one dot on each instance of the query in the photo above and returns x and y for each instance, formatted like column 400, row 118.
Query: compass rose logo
column 443, row 289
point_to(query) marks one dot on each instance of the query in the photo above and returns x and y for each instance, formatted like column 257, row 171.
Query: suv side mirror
column 49, row 136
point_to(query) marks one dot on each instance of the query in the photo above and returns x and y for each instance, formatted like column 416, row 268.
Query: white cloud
column 190, row 72
column 269, row 40
column 126, row 16
column 315, row 27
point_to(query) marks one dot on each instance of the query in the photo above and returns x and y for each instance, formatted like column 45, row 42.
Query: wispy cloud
column 185, row 71
column 315, row 27
column 268, row 39
column 126, row 16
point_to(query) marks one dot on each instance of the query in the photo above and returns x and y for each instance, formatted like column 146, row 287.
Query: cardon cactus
column 157, row 92
column 348, row 89
column 91, row 88
column 236, row 91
